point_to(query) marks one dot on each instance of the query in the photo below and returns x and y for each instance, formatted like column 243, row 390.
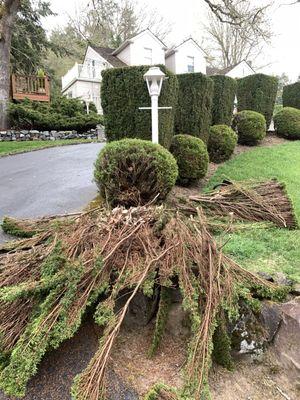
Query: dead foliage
column 47, row 282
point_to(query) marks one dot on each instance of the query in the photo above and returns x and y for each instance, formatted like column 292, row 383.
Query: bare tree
column 229, row 43
column 8, row 13
column 110, row 22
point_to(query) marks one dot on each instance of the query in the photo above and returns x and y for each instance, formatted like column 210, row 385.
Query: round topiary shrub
column 287, row 123
column 133, row 172
column 221, row 143
column 250, row 126
column 191, row 156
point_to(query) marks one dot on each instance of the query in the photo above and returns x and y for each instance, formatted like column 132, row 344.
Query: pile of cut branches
column 47, row 281
column 250, row 201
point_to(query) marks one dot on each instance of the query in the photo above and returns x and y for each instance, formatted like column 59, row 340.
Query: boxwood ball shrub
column 287, row 123
column 221, row 143
column 123, row 91
column 258, row 93
column 250, row 127
column 192, row 158
column 193, row 114
column 223, row 99
column 291, row 95
column 133, row 172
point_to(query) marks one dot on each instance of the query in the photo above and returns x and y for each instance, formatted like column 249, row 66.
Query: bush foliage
column 133, row 172
column 250, row 126
column 193, row 115
column 191, row 156
column 61, row 114
column 223, row 99
column 287, row 123
column 258, row 93
column 123, row 91
column 291, row 95
column 221, row 143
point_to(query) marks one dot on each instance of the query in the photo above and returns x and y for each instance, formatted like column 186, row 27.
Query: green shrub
column 123, row 91
column 193, row 115
column 221, row 143
column 191, row 156
column 291, row 95
column 250, row 127
column 287, row 123
column 133, row 172
column 223, row 99
column 34, row 115
column 258, row 93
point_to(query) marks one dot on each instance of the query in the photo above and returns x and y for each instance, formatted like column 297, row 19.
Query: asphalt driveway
column 46, row 182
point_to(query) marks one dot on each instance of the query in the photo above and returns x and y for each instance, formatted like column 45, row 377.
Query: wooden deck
column 31, row 87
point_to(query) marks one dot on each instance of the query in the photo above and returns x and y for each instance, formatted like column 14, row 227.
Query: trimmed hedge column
column 193, row 116
column 123, row 91
column 223, row 100
column 258, row 93
column 291, row 95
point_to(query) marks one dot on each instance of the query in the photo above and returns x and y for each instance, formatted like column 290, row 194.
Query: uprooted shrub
column 134, row 172
column 86, row 262
column 221, row 143
column 250, row 127
column 192, row 158
column 287, row 123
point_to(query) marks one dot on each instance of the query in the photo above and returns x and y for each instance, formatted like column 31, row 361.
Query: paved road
column 45, row 182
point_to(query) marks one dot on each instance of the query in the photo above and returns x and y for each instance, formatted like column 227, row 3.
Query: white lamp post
column 154, row 78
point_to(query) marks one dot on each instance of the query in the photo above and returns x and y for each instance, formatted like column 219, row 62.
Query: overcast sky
column 187, row 17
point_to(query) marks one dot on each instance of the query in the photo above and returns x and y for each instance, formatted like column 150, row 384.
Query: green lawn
column 21, row 147
column 271, row 249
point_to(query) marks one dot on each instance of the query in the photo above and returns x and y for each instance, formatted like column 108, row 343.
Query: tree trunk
column 8, row 12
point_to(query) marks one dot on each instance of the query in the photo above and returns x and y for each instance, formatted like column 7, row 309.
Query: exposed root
column 48, row 281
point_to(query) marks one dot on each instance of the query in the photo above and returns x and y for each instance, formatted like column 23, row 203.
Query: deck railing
column 30, row 86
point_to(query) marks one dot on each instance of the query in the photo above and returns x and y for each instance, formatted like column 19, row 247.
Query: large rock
column 287, row 340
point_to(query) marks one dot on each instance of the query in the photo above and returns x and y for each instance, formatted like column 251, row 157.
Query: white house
column 186, row 57
column 239, row 70
column 84, row 80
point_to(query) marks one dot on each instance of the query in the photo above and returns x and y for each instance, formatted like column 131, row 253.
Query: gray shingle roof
column 106, row 53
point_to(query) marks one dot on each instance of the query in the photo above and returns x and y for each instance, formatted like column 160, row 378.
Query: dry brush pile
column 69, row 264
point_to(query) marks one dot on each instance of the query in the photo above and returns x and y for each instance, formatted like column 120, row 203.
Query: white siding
column 183, row 52
column 135, row 53
column 171, row 63
column 125, row 55
column 85, row 90
column 240, row 71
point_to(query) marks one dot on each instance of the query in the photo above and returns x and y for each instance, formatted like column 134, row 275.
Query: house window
column 148, row 56
column 191, row 64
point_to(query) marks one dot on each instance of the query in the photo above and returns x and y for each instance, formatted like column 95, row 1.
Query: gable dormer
column 186, row 57
column 143, row 49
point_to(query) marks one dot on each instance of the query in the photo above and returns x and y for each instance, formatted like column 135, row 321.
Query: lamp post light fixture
column 154, row 78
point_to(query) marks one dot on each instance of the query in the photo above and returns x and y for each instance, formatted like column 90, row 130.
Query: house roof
column 106, row 53
column 174, row 49
column 131, row 40
column 216, row 71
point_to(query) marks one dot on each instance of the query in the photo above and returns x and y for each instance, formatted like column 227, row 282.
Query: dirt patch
column 131, row 362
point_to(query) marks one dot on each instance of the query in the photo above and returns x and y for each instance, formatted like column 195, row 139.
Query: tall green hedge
column 291, row 95
column 123, row 91
column 193, row 116
column 223, row 99
column 258, row 93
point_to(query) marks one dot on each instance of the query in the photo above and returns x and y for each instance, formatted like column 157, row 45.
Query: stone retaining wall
column 26, row 135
